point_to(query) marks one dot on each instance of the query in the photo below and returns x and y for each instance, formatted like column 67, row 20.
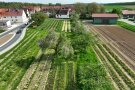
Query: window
column 16, row 20
column 11, row 16
column 4, row 17
column 15, row 16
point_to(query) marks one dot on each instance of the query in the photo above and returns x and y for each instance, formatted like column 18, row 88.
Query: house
column 63, row 13
column 5, row 23
column 51, row 10
column 105, row 18
column 27, row 13
column 128, row 14
column 14, row 16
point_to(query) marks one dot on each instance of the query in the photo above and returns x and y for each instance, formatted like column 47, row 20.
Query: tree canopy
column 38, row 18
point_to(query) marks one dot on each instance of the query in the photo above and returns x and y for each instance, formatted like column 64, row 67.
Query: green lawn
column 126, row 26
column 15, row 62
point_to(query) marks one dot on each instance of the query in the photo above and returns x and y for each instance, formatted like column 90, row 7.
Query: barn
column 128, row 14
column 105, row 18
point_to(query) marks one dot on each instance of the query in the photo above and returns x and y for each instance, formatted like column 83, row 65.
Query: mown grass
column 126, row 26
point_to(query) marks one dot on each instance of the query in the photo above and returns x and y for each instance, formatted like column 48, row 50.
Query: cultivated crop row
column 122, row 74
column 61, row 77
column 40, row 69
column 66, row 26
column 20, row 58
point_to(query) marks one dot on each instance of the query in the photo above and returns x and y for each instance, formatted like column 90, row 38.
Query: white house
column 14, row 16
column 5, row 23
column 63, row 13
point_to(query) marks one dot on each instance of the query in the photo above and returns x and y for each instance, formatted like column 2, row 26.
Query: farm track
column 117, row 45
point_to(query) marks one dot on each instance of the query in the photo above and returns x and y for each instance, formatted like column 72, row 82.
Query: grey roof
column 63, row 12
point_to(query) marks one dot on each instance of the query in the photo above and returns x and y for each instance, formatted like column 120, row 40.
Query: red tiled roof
column 128, row 12
column 12, row 13
column 105, row 15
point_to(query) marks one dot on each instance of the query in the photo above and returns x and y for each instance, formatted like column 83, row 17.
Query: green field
column 92, row 68
column 120, row 7
column 126, row 26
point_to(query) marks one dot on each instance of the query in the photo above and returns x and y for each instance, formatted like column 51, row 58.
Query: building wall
column 112, row 21
column 8, row 24
column 97, row 21
column 24, row 18
column 62, row 16
column 16, row 19
column 105, row 20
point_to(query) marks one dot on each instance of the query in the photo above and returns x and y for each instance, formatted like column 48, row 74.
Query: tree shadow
column 25, row 63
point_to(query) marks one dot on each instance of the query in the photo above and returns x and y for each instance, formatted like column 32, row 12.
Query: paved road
column 13, row 40
column 14, row 29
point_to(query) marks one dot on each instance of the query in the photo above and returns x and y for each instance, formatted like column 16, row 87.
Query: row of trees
column 17, row 4
column 85, row 10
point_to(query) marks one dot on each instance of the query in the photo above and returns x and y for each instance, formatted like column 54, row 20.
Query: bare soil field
column 122, row 41
column 5, row 38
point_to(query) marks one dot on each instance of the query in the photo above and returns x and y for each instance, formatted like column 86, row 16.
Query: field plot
column 66, row 26
column 117, row 53
column 14, row 65
column 61, row 77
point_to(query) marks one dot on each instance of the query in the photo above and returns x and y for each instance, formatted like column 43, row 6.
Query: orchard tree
column 64, row 48
column 50, row 41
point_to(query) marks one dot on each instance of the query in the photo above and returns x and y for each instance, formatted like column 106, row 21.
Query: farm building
column 105, row 18
column 63, row 13
column 128, row 14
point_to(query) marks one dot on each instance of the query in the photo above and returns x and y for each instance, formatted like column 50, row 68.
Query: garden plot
column 37, row 73
column 66, row 26
column 116, row 64
column 123, row 41
column 15, row 62
column 61, row 77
